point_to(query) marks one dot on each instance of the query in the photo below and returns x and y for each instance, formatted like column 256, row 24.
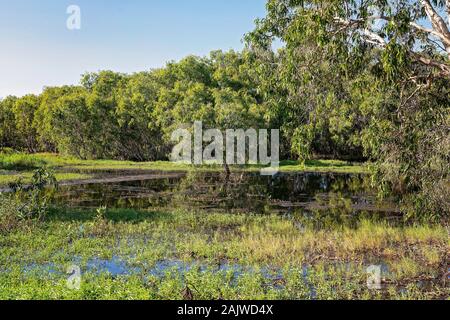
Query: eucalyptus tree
column 384, row 67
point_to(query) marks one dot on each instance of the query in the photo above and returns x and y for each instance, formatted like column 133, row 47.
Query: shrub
column 9, row 219
column 26, row 203
column 7, row 151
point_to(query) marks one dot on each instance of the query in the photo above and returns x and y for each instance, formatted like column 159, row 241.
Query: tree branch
column 371, row 36
column 442, row 37
column 445, row 69
column 438, row 22
column 375, row 39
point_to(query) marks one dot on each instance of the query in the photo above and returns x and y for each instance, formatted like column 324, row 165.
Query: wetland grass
column 218, row 256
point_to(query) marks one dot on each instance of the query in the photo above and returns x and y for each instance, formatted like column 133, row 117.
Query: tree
column 9, row 136
column 24, row 109
column 140, row 136
column 219, row 91
column 332, row 49
column 102, row 100
column 72, row 126
column 44, row 116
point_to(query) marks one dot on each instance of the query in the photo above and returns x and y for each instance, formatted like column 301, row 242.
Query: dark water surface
column 343, row 194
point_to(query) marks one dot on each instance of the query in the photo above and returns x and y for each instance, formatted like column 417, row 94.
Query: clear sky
column 38, row 50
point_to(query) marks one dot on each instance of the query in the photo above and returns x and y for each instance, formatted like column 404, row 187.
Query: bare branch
column 439, row 35
column 445, row 69
column 370, row 36
column 374, row 38
column 438, row 23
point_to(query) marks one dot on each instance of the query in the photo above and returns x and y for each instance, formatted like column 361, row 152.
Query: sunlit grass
column 336, row 258
column 19, row 162
column 324, row 166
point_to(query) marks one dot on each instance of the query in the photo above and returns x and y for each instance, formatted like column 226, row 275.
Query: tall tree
column 9, row 136
column 389, row 62
column 140, row 137
column 24, row 110
column 44, row 116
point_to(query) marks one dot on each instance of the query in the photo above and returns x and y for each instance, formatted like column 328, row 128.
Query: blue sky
column 38, row 50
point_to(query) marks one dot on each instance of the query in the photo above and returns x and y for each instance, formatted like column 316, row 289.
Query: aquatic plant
column 26, row 202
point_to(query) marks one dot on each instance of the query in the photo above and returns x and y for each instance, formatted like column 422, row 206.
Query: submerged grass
column 219, row 256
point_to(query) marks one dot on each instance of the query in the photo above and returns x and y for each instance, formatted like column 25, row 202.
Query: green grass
column 270, row 250
column 226, row 256
column 7, row 178
column 67, row 168
column 324, row 166
column 21, row 162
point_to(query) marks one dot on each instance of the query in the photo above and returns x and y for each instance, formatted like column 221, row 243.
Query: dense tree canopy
column 113, row 115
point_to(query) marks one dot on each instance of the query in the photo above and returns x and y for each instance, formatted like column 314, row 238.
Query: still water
column 285, row 193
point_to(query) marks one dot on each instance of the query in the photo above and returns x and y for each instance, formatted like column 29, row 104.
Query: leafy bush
column 9, row 220
column 26, row 202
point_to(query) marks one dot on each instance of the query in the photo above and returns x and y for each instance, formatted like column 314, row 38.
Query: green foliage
column 9, row 136
column 33, row 199
column 24, row 110
column 9, row 217
column 364, row 79
column 130, row 117
column 7, row 151
column 26, row 203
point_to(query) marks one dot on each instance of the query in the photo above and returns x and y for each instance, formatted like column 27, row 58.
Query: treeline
column 130, row 117
column 119, row 116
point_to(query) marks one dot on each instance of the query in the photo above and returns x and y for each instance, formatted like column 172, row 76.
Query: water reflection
column 339, row 197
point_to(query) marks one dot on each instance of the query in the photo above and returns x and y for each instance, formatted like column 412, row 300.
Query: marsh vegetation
column 293, row 236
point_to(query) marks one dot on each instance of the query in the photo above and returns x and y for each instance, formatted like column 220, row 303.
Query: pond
column 343, row 195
